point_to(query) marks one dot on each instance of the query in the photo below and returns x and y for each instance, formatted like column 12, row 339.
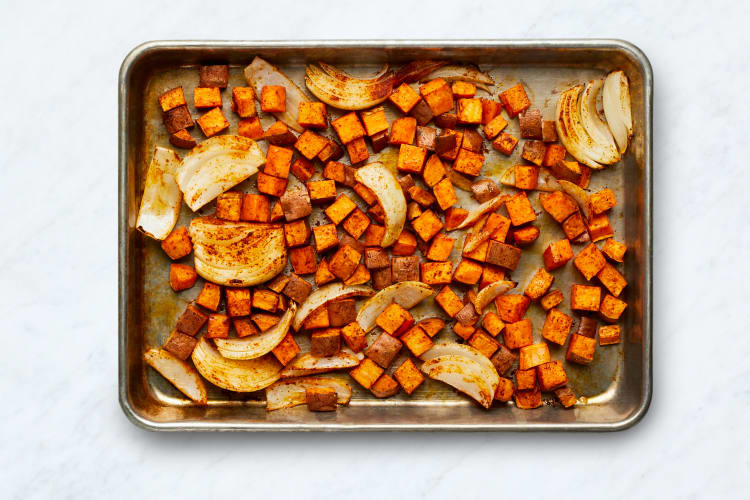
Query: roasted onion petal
column 246, row 375
column 579, row 195
column 160, row 204
column 179, row 373
column 255, row 346
column 292, row 392
column 566, row 131
column 307, row 364
column 616, row 104
column 464, row 374
column 454, row 349
column 590, row 119
column 488, row 206
column 384, row 184
column 343, row 91
column 407, row 294
column 416, row 70
column 464, row 73
column 260, row 73
column 326, row 293
column 488, row 293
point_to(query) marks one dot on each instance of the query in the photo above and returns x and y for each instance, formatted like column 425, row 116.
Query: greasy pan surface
column 615, row 388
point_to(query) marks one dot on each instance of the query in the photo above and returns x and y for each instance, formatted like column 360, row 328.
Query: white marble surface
column 63, row 433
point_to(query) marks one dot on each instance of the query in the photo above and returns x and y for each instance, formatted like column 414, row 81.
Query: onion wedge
column 545, row 180
column 407, row 294
column 215, row 165
column 453, row 349
column 256, row 346
column 307, row 364
column 326, row 293
column 292, row 392
column 160, row 204
column 178, row 372
column 616, row 103
column 387, row 189
column 488, row 293
column 466, row 73
column 260, row 73
column 579, row 195
column 594, row 125
column 488, row 206
column 464, row 374
column 246, row 375
column 237, row 253
column 343, row 91
column 571, row 133
column 416, row 70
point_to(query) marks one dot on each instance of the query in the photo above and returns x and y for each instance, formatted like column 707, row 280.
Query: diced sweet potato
column 354, row 337
column 172, row 98
column 551, row 375
column 530, row 123
column 310, row 144
column 445, row 194
column 587, row 327
column 394, row 318
column 268, row 184
column 557, row 254
column 286, row 350
column 403, row 131
column 519, row 209
column 384, row 349
column 239, row 301
column 303, row 259
column 264, row 321
column 432, row 326
column 454, row 217
column 468, row 272
column 557, row 326
column 427, row 225
column 374, row 235
column 366, row 373
column 229, row 206
column 504, row 391
column 421, row 196
column 255, row 208
column 320, row 398
column 528, row 400
column 554, row 154
column 273, row 99
column 469, row 163
column 463, row 331
column 243, row 102
column 206, row 97
column 614, row 250
column 491, row 274
column 210, row 296
column 526, row 379
column 297, row 288
column 549, row 133
column 436, row 273
column 321, row 191
column 379, row 141
column 589, row 261
column 611, row 308
column 408, row 376
column 599, row 228
column 469, row 111
column 503, row 359
column 441, row 247
column 585, row 298
column 493, row 128
column 404, row 98
column 405, row 268
column 573, row 226
column 348, row 127
column 381, row 278
column 539, row 284
column 603, row 200
column 438, row 95
column 323, row 274
column 493, row 324
column 180, row 345
column 609, row 334
column 317, row 319
column 468, row 314
column 443, row 141
column 552, row 299
column 244, row 327
column 312, row 115
column 384, row 387
column 344, row 262
column 612, row 279
column 331, row 151
column 357, row 151
column 325, row 342
column 265, row 300
column 446, row 120
column 250, row 128
column 416, row 340
column 533, row 151
column 182, row 139
column 484, row 190
column 580, row 349
column 517, row 334
column 192, row 320
column 356, row 223
column 405, row 244
column 297, row 233
column 411, row 159
column 449, row 301
column 565, row 170
column 376, row 258
column 526, row 177
column 426, row 138
column 566, row 396
column 218, row 326
column 559, row 205
column 340, row 209
column 463, row 89
column 177, row 244
column 525, row 236
column 490, row 109
column 503, row 255
column 484, row 343
column 374, row 119
column 214, row 75
column 177, row 118
column 515, row 100
column 533, row 355
column 505, row 143
column 422, row 113
column 212, row 122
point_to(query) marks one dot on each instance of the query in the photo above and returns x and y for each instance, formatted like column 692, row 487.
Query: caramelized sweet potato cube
column 421, row 196
column 468, row 272
column 565, row 170
column 374, row 119
column 413, row 210
column 273, row 99
column 557, row 254
column 403, row 131
column 484, row 343
column 172, row 98
column 590, row 261
column 214, row 75
column 443, row 142
column 354, row 337
column 303, row 259
column 493, row 128
column 611, row 308
column 191, row 320
column 229, row 206
column 243, row 102
column 580, row 349
column 525, row 236
column 438, row 96
column 557, row 326
column 539, row 284
column 265, row 300
column 504, row 391
column 469, row 111
column 357, row 151
column 493, row 324
column 297, row 288
column 312, row 115
column 360, row 276
column 449, row 301
column 434, row 171
column 468, row 314
column 264, row 321
column 441, row 247
column 426, row 138
column 384, row 349
column 503, row 255
column 554, row 154
column 379, row 141
column 212, row 122
column 366, row 373
column 427, row 225
column 321, row 398
column 323, row 274
column 206, row 97
column 182, row 139
column 518, row 334
column 376, row 258
column 384, row 387
column 177, row 119
column 491, row 274
column 552, row 299
column 344, row 262
column 587, row 327
column 180, row 345
column 436, row 273
column 515, row 100
column 310, row 144
column 566, row 396
column 549, row 133
column 381, row 278
column 408, row 376
column 296, row 204
column 614, row 250
column 526, row 379
column 330, row 152
column 321, row 191
column 177, row 244
column 463, row 89
column 303, row 169
column 519, row 209
column 503, row 359
column 533, row 355
column 405, row 244
column 411, row 159
column 340, row 209
column 445, row 194
column 463, row 331
column 404, row 98
column 528, row 400
column 210, row 296
column 239, row 301
column 317, row 319
column 268, row 184
column 533, row 151
column 432, row 326
column 526, row 177
column 278, row 161
column 585, row 298
column 297, row 233
column 559, row 205
column 469, row 163
column 599, row 228
column 551, row 375
column 325, row 342
column 342, row 312
column 573, row 226
column 255, row 208
column 490, row 109
column 405, row 268
column 181, row 276
column 286, row 350
column 244, row 327
column 422, row 113
column 512, row 306
column 583, row 180
column 417, row 341
column 454, row 216
column 326, row 237
column 505, row 143
column 530, row 122
column 218, row 325
column 374, row 235
column 348, row 127
column 603, row 200
column 609, row 334
column 356, row 223
column 250, row 128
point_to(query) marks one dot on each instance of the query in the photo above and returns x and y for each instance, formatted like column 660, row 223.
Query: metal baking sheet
column 615, row 390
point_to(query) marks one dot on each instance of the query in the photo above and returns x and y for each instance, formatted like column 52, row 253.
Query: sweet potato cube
column 551, row 375
column 238, row 301
column 553, row 154
column 381, row 278
column 384, row 349
column 587, row 327
column 611, row 308
column 565, row 170
column 504, row 391
column 417, row 341
column 325, row 342
column 434, row 170
column 614, row 250
column 609, row 334
column 469, row 111
column 491, row 274
column 484, row 343
column 278, row 160
column 404, row 98
column 212, row 122
column 557, row 326
column 296, row 204
column 585, row 298
column 468, row 272
column 191, row 320
column 366, row 373
column 317, row 319
column 426, row 138
column 229, row 206
column 376, row 258
column 463, row 89
column 312, row 115
column 206, row 97
column 463, row 331
column 356, row 223
column 214, row 75
column 243, row 102
column 503, row 255
column 539, row 284
column 374, row 235
column 408, row 376
column 445, row 194
column 303, row 259
column 340, row 209
column 427, row 225
column 612, row 279
column 438, row 95
column 325, row 236
column 432, row 326
column 354, row 337
column 533, row 355
column 374, row 119
column 573, row 226
column 309, row 144
column 580, row 349
column 321, row 191
column 264, row 321
column 421, row 196
column 533, row 151
column 602, row 201
column 436, row 273
column 493, row 324
column 590, row 261
column 559, row 205
column 344, row 262
column 405, row 268
column 468, row 162
column 384, row 387
column 447, row 143
column 493, row 128
column 210, row 296
column 566, row 396
column 321, row 398
column 250, row 128
column 413, row 210
column 557, row 254
column 255, row 208
column 273, row 99
column 526, row 379
column 360, row 276
column 177, row 119
column 357, row 151
column 552, row 299
column 218, row 325
column 405, row 244
column 517, row 334
column 296, row 288
column 181, row 276
column 528, row 400
column 411, row 159
column 286, row 350
column 519, row 209
column 503, row 359
column 379, row 141
column 526, row 176
column 323, row 274
column 454, row 217
column 330, row 152
column 180, row 345
column 422, row 113
column 265, row 300
column 505, row 143
column 182, row 139
column 515, row 100
column 525, row 236
column 479, row 253
column 441, row 247
column 490, row 109
column 599, row 228
column 172, row 98
column 449, row 301
column 177, row 244
column 244, row 327
column 512, row 306
column 530, row 123
column 348, row 127
column 403, row 131
column 268, row 184
column 549, row 133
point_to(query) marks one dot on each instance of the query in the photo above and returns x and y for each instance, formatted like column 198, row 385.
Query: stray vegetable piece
column 515, row 100
column 250, row 128
column 286, row 350
column 566, row 396
column 449, row 301
column 589, row 261
column 585, row 298
column 344, row 262
column 484, row 343
column 533, row 151
column 206, row 97
column 505, row 143
column 297, row 288
column 611, row 308
column 177, row 244
column 557, row 254
column 325, row 342
column 218, row 326
column 177, row 119
column 580, row 349
column 557, row 326
column 404, row 98
column 191, row 320
column 530, row 122
column 504, row 391
column 172, row 98
column 503, row 359
column 216, row 75
column 526, row 379
column 552, row 299
column 181, row 276
column 213, row 122
column 533, row 355
column 609, row 334
column 384, row 350
column 408, row 376
column 348, row 127
column 614, row 250
column 551, row 375
column 417, row 341
column 180, row 345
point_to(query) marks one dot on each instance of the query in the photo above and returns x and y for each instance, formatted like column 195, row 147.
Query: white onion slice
column 387, row 189
column 569, row 130
column 590, row 119
column 245, row 375
column 488, row 206
column 464, row 374
column 616, row 103
column 256, row 346
column 454, row 349
column 320, row 296
column 579, row 195
column 160, row 204
column 407, row 294
column 292, row 392
column 307, row 364
column 343, row 91
column 488, row 293
column 179, row 373
column 260, row 73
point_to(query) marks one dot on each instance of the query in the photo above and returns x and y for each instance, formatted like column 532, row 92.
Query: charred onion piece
column 343, row 91
column 616, row 103
column 387, row 189
column 160, row 204
column 416, row 70
column 292, row 392
column 465, row 374
column 464, row 73
column 233, row 374
column 179, row 373
column 307, row 364
column 257, row 345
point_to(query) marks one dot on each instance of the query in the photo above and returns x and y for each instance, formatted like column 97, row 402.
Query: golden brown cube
column 503, row 255
column 436, row 273
column 354, row 337
column 421, row 196
column 551, row 375
column 295, row 288
column 614, row 250
column 344, row 262
column 454, row 217
column 265, row 300
column 427, row 225
column 213, row 122
column 374, row 119
column 409, row 376
column 468, row 162
column 325, row 342
column 599, row 228
column 493, row 324
column 612, row 279
column 445, row 194
column 384, row 349
column 411, row 159
column 405, row 244
column 218, row 326
column 250, row 127
column 441, row 247
column 171, row 99
column 573, row 226
column 286, row 350
column 526, row 379
column 206, row 97
column 239, row 301
column 554, row 154
column 340, row 209
column 191, row 320
column 255, row 208
column 528, row 400
column 609, row 334
column 403, row 131
column 533, row 355
column 552, row 299
column 348, row 127
column 177, row 244
column 244, row 327
column 357, row 151
column 463, row 89
column 210, row 296
column 468, row 272
column 557, row 254
column 469, row 111
column 515, row 100
column 303, row 259
column 404, row 98
column 310, row 144
column 434, row 170
column 317, row 319
column 590, row 261
column 504, row 392
column 243, row 102
column 321, row 191
column 356, row 224
column 312, row 115
column 611, row 308
column 278, row 160
column 393, row 318
column 264, row 321
column 416, row 340
column 449, row 301
column 557, row 326
column 519, row 209
column 525, row 236
column 229, row 206
column 268, row 184
column 505, row 143
column 181, row 276
column 539, row 284
column 279, row 134
column 493, row 128
column 325, row 236
column 438, row 96
column 585, row 298
column 580, row 349
column 566, row 396
column 484, row 343
column 512, row 306
column 602, row 201
column 559, row 205
column 273, row 99
column 518, row 334
column 321, row 398
column 490, row 109
column 491, row 274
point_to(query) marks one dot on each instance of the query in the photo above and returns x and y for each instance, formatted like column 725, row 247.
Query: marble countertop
column 63, row 433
